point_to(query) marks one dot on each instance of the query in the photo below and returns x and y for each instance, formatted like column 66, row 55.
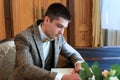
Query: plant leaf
column 97, row 71
column 85, row 73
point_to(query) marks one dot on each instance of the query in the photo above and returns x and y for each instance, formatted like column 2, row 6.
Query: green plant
column 94, row 72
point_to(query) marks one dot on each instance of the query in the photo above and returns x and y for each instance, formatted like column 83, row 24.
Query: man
column 38, row 48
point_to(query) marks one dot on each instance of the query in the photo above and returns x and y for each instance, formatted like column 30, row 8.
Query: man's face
column 56, row 27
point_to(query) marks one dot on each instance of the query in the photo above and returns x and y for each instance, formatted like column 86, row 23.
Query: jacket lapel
column 38, row 42
column 40, row 49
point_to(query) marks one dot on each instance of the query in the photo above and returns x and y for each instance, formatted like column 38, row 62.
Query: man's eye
column 59, row 26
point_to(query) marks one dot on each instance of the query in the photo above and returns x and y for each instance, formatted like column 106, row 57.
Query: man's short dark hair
column 57, row 10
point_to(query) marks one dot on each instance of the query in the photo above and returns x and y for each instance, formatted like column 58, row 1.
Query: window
column 110, row 19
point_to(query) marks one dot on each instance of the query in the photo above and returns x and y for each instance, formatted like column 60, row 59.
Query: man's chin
column 55, row 37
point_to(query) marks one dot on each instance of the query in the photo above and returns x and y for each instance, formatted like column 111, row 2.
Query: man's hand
column 77, row 67
column 73, row 76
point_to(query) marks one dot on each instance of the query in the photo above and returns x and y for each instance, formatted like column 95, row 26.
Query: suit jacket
column 29, row 55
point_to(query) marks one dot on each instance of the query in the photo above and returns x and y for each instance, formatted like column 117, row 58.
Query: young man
column 38, row 48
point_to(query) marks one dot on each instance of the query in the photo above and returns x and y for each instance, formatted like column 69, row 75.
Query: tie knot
column 45, row 40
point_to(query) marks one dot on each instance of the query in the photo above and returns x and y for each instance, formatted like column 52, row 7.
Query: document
column 62, row 70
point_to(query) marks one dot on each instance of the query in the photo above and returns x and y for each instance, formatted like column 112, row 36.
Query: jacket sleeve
column 69, row 52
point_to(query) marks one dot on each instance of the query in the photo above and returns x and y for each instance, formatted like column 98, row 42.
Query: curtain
column 111, row 37
column 97, row 40
column 111, row 22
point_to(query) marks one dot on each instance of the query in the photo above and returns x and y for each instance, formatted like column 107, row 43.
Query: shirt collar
column 44, row 37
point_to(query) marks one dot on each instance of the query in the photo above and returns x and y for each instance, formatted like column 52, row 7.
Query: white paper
column 62, row 70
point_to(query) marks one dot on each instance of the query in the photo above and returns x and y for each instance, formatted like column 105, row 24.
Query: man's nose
column 61, row 31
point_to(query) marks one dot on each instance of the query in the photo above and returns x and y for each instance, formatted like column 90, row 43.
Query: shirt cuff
column 58, row 76
column 78, row 62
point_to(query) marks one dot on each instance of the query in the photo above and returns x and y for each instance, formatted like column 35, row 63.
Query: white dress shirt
column 46, row 47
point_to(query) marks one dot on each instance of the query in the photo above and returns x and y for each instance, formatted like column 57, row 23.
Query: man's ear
column 46, row 19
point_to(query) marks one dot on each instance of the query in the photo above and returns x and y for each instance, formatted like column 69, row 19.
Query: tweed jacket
column 29, row 55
